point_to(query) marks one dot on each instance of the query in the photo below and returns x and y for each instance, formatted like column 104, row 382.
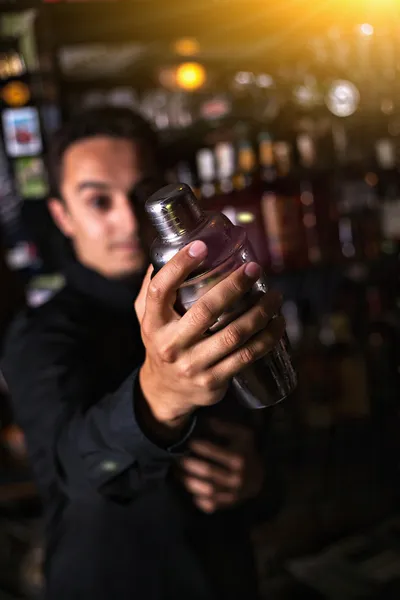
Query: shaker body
column 271, row 378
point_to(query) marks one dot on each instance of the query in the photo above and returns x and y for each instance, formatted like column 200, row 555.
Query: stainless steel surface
column 174, row 211
column 271, row 378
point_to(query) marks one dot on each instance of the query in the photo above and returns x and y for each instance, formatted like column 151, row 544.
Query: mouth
column 131, row 246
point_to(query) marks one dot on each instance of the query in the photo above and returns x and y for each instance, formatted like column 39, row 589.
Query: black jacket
column 118, row 524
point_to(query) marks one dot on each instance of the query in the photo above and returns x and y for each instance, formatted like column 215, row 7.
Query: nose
column 125, row 218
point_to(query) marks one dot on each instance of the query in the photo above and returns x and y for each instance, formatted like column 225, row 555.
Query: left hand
column 238, row 474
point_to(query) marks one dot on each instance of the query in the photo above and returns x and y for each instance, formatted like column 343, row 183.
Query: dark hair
column 116, row 122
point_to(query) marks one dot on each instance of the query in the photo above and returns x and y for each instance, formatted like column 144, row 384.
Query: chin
column 133, row 267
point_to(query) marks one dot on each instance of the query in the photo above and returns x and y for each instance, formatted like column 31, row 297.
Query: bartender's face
column 100, row 210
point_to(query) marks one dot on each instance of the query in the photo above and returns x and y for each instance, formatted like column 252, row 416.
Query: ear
column 60, row 216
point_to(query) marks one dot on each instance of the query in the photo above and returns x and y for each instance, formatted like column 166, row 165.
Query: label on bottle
column 306, row 148
column 266, row 150
column 225, row 157
column 247, row 157
column 282, row 226
column 282, row 154
column 205, row 165
column 206, row 170
column 385, row 153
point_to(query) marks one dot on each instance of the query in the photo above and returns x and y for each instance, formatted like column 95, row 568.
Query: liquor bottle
column 225, row 158
column 307, row 187
column 178, row 220
column 389, row 193
column 225, row 200
column 247, row 163
column 281, row 209
column 266, row 158
column 358, row 217
column 238, row 199
column 206, row 169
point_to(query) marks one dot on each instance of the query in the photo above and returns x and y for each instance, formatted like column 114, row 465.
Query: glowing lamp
column 190, row 76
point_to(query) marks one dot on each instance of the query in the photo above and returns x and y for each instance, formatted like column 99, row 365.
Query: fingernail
column 252, row 270
column 197, row 249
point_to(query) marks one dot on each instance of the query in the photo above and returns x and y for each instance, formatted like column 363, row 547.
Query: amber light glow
column 190, row 76
column 186, row 47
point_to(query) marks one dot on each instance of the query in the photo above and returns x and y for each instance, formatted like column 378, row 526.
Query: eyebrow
column 99, row 185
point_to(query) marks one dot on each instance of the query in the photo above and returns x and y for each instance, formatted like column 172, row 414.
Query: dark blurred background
column 286, row 116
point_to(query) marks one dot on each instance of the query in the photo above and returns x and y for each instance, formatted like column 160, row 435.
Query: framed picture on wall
column 21, row 128
column 30, row 177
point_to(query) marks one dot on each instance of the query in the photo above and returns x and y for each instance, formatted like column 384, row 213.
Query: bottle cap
column 174, row 211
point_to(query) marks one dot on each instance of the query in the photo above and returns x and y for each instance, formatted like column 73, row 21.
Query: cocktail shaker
column 178, row 219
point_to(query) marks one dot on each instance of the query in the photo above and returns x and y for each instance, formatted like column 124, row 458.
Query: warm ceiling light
column 366, row 29
column 186, row 47
column 342, row 98
column 190, row 76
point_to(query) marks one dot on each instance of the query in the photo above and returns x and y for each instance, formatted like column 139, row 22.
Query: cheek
column 94, row 229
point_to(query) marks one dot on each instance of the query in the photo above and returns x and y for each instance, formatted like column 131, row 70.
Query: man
column 150, row 473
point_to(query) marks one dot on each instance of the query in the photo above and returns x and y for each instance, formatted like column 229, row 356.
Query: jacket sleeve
column 270, row 499
column 70, row 428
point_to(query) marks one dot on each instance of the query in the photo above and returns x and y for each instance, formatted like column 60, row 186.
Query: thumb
column 140, row 302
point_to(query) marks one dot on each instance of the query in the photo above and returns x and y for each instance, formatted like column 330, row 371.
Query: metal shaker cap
column 174, row 211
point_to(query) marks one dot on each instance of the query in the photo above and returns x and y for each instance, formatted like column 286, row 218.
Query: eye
column 101, row 202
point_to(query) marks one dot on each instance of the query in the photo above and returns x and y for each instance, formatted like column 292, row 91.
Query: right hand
column 184, row 368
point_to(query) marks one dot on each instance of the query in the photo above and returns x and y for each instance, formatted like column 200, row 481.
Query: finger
column 140, row 302
column 230, row 460
column 213, row 473
column 216, row 347
column 207, row 505
column 206, row 311
column 162, row 290
column 220, row 500
column 260, row 345
column 199, row 487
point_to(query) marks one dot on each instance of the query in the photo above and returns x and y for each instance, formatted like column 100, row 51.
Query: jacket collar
column 112, row 294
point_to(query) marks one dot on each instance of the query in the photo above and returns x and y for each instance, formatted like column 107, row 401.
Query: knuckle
column 186, row 369
column 207, row 381
column 167, row 352
column 232, row 336
column 154, row 291
column 247, row 355
column 202, row 314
